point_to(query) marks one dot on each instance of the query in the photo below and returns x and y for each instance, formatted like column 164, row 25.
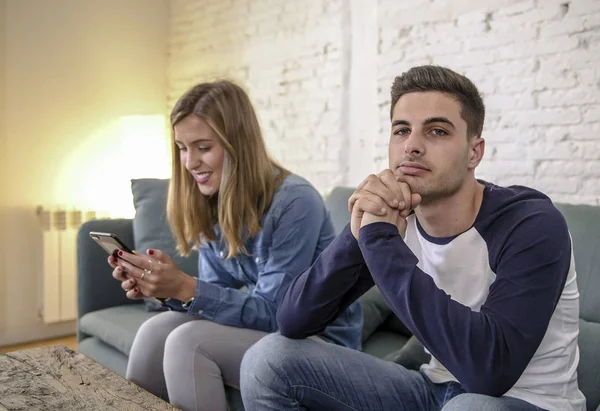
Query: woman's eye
column 204, row 149
column 181, row 149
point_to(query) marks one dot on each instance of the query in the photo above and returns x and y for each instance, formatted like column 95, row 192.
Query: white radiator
column 59, row 270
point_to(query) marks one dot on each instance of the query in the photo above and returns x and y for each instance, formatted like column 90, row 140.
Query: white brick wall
column 317, row 70
column 536, row 63
column 287, row 54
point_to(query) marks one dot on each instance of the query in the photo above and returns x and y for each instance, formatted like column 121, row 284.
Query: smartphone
column 110, row 242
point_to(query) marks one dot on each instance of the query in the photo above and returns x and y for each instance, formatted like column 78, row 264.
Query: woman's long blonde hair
column 249, row 179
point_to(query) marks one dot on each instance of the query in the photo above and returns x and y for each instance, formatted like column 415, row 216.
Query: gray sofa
column 108, row 321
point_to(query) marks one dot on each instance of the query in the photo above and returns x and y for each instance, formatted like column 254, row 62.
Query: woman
column 256, row 225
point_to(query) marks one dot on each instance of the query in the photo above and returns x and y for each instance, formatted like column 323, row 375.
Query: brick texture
column 536, row 64
column 535, row 61
column 287, row 54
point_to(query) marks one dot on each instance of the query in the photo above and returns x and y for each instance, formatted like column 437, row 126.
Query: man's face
column 429, row 148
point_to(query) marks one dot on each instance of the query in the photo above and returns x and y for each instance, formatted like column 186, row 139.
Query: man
column 482, row 275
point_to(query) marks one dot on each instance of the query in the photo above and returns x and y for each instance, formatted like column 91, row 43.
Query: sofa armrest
column 96, row 288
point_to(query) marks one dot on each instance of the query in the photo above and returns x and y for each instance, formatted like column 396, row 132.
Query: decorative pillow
column 151, row 230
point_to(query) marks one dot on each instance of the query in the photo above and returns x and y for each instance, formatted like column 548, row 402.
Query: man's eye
column 402, row 131
column 439, row 132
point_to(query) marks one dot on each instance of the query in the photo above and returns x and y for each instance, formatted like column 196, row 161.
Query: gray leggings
column 187, row 360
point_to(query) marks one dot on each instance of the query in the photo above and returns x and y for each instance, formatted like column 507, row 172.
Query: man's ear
column 476, row 150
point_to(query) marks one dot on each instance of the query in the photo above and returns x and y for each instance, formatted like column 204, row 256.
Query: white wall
column 289, row 55
column 317, row 70
column 73, row 69
column 536, row 63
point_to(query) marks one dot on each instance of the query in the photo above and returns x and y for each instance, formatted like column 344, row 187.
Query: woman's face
column 201, row 152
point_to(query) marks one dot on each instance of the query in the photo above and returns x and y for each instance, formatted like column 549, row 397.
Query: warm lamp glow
column 146, row 137
column 144, row 150
column 101, row 168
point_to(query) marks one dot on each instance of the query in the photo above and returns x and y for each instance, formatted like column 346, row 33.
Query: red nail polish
column 151, row 252
column 120, row 253
column 137, row 290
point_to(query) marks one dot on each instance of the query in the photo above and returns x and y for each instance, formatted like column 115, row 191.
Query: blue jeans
column 278, row 373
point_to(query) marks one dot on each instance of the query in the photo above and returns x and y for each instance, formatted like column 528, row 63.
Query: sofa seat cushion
column 116, row 326
column 104, row 355
column 382, row 343
column 378, row 316
column 412, row 355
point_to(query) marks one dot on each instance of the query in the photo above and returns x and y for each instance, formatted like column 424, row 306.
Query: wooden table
column 57, row 378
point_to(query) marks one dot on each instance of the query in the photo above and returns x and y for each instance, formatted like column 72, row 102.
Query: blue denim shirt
column 295, row 229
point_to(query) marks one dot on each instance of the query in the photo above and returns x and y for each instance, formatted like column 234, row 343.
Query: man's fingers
column 383, row 185
column 370, row 204
column 375, row 186
column 355, row 196
column 351, row 202
column 406, row 196
column 415, row 200
column 362, row 183
column 400, row 190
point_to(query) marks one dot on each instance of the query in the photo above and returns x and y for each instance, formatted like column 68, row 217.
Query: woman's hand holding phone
column 151, row 275
column 127, row 284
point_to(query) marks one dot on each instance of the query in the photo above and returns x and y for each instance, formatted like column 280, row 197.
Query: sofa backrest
column 584, row 225
column 337, row 204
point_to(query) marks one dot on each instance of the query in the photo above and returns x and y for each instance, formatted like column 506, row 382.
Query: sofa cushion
column 116, row 326
column 151, row 229
column 588, row 372
column 382, row 343
column 378, row 315
column 412, row 355
column 107, row 356
column 375, row 311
